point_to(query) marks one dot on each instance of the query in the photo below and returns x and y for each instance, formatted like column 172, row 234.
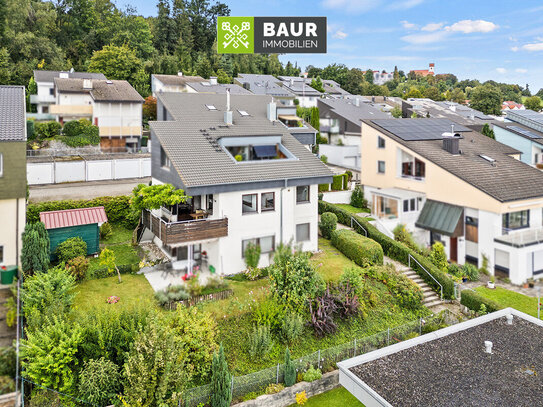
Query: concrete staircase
column 7, row 335
column 431, row 298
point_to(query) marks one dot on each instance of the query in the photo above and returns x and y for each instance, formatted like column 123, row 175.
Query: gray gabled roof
column 177, row 79
column 12, row 113
column 347, row 109
column 49, row 76
column 506, row 179
column 263, row 85
column 102, row 90
column 198, row 162
column 220, row 88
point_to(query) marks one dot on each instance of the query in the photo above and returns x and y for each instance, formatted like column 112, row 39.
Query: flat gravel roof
column 455, row 370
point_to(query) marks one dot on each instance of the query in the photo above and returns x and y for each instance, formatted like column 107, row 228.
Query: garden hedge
column 362, row 250
column 473, row 300
column 337, row 182
column 345, row 181
column 396, row 250
column 117, row 209
column 324, row 187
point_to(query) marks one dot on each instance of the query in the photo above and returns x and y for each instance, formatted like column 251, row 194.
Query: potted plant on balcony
column 491, row 283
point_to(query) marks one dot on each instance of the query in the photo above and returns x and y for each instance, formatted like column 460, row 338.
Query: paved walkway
column 84, row 190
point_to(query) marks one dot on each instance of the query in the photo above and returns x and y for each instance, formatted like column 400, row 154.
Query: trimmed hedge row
column 362, row 250
column 395, row 250
column 117, row 209
column 324, row 187
column 337, row 182
column 123, row 269
column 473, row 300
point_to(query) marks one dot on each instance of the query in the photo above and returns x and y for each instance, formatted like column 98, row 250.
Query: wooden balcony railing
column 185, row 231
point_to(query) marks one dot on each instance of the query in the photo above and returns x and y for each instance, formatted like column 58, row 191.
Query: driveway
column 84, row 190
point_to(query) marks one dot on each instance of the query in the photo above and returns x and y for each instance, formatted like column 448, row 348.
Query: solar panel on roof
column 525, row 132
column 419, row 129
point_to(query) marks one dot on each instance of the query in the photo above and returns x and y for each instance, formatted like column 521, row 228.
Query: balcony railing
column 185, row 231
column 523, row 238
column 42, row 99
column 71, row 110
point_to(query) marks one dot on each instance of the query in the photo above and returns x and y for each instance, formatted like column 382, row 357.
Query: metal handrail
column 427, row 272
column 359, row 225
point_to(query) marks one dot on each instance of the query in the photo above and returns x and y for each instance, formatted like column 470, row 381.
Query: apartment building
column 249, row 179
column 463, row 189
column 12, row 172
column 112, row 105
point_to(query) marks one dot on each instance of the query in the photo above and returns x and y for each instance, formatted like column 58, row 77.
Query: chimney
column 212, row 80
column 291, row 82
column 488, row 347
column 357, row 102
column 179, row 73
column 451, row 143
column 272, row 111
column 87, row 84
column 228, row 116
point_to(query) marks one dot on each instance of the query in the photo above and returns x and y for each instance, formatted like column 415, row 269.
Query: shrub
column 193, row 287
column 438, row 257
column 172, row 294
column 401, row 234
column 337, row 182
column 99, row 381
column 471, row 272
column 324, row 158
column 252, row 255
column 290, row 370
column 312, row 374
column 45, row 398
column 328, row 224
column 346, row 300
column 7, row 385
column 455, row 270
column 322, row 312
column 106, row 230
column 221, row 390
column 47, row 130
column 357, row 198
column 411, row 335
column 8, row 360
column 345, row 181
column 78, row 267
column 484, row 266
column 473, row 300
column 291, row 327
column 362, row 250
column 349, row 175
column 353, row 277
column 71, row 248
column 274, row 388
column 269, row 313
column 407, row 293
column 260, row 341
column 301, row 398
column 35, row 250
column 324, row 187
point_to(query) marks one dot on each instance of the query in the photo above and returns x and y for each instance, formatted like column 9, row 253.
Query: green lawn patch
column 124, row 254
column 352, row 209
column 339, row 397
column 120, row 235
column 134, row 290
column 508, row 298
column 330, row 262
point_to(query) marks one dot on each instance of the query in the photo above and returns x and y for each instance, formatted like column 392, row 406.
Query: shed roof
column 73, row 217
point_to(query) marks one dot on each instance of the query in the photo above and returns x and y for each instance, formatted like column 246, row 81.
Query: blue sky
column 482, row 39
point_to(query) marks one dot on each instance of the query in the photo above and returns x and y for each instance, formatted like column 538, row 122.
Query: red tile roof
column 73, row 217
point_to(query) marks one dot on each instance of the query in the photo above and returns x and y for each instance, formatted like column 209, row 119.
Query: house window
column 381, row 167
column 267, row 201
column 302, row 194
column 516, row 220
column 267, row 244
column 1, row 164
column 410, row 205
column 302, row 232
column 51, row 91
column 164, row 160
column 45, row 109
column 210, row 204
column 1, row 254
column 249, row 203
column 380, row 142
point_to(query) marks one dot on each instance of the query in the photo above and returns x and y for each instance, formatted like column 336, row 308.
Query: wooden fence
column 219, row 295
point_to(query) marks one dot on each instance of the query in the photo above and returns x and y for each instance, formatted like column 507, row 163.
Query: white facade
column 307, row 101
column 157, row 86
column 12, row 219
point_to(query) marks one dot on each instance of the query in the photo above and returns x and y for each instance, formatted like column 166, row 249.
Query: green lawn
column 134, row 289
column 120, row 235
column 124, row 254
column 352, row 209
column 508, row 298
column 339, row 397
column 332, row 260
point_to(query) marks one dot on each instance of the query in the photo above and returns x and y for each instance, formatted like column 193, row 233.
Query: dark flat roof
column 454, row 370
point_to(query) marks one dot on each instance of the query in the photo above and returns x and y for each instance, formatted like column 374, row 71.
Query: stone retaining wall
column 287, row 397
column 8, row 400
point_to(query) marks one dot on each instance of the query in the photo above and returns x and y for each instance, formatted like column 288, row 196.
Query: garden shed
column 83, row 222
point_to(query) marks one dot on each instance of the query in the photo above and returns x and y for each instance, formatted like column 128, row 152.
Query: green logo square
column 235, row 35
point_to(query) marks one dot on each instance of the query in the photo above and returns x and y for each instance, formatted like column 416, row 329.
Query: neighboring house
column 12, row 172
column 380, row 78
column 522, row 130
column 301, row 88
column 212, row 86
column 466, row 190
column 248, row 177
column 340, row 121
column 265, row 85
column 457, row 113
column 114, row 106
column 510, row 105
column 83, row 222
column 172, row 83
column 425, row 72
column 45, row 81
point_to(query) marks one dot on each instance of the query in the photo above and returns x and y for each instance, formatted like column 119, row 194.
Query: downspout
column 17, row 233
column 281, row 217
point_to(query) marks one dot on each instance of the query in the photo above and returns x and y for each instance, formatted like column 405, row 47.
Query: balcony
column 42, row 99
column 524, row 238
column 118, row 131
column 71, row 110
column 175, row 233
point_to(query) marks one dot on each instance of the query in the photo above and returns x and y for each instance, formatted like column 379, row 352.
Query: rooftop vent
column 212, row 80
column 272, row 111
column 487, row 158
column 451, row 143
column 488, row 347
column 179, row 73
column 87, row 84
column 357, row 102
column 109, row 82
column 211, row 107
column 509, row 319
column 228, row 115
column 64, row 75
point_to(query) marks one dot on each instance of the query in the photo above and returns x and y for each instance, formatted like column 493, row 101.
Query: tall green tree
column 5, row 69
column 487, row 99
column 35, row 250
column 317, row 84
column 368, row 76
column 221, row 386
column 290, row 370
column 487, row 131
column 533, row 103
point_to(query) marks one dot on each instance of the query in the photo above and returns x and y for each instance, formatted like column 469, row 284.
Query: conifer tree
column 221, row 386
column 290, row 370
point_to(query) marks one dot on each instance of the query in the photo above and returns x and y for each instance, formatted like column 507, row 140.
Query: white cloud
column 352, row 6
column 472, row 26
column 501, row 70
column 404, row 4
column 521, row 70
column 425, row 38
column 432, row 27
column 407, row 25
column 536, row 46
column 514, row 49
column 340, row 35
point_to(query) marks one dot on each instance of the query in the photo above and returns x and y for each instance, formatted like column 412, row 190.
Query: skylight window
column 243, row 113
column 487, row 158
column 211, row 107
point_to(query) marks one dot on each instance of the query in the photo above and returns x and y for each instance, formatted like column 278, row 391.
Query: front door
column 454, row 249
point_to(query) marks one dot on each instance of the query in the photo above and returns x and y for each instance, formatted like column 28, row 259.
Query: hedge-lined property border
column 362, row 250
column 394, row 249
column 473, row 300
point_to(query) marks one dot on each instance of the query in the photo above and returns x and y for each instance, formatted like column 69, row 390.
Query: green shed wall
column 89, row 233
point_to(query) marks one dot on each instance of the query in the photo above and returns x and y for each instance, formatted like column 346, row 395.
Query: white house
column 114, row 106
column 249, row 179
column 464, row 189
column 172, row 83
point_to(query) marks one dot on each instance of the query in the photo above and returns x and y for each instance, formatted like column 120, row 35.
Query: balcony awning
column 441, row 218
column 289, row 117
column 265, row 151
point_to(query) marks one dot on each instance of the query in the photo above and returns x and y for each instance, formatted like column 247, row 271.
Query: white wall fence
column 87, row 170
